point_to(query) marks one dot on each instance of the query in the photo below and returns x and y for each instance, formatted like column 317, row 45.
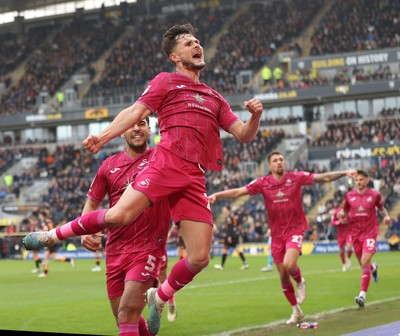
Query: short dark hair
column 272, row 154
column 170, row 36
column 362, row 172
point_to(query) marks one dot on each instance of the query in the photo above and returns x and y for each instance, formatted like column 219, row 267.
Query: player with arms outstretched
column 282, row 192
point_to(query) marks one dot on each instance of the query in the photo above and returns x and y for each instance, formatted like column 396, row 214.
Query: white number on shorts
column 297, row 239
column 370, row 243
column 150, row 263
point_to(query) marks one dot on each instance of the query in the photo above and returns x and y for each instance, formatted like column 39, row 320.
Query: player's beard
column 193, row 66
column 137, row 148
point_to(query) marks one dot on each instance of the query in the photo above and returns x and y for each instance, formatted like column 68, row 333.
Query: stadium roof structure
column 21, row 5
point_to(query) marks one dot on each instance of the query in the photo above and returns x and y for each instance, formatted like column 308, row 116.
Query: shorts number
column 150, row 263
column 370, row 243
column 297, row 239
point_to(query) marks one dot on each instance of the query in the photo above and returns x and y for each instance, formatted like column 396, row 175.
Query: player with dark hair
column 360, row 210
column 282, row 192
column 343, row 237
column 230, row 239
column 190, row 115
column 135, row 253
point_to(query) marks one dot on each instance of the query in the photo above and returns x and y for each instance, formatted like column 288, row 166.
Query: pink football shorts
column 280, row 245
column 364, row 245
column 182, row 182
column 131, row 266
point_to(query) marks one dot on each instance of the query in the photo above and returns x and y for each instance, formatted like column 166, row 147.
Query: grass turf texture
column 229, row 302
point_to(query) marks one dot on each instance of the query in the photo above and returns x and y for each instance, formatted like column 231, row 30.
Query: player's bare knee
column 199, row 262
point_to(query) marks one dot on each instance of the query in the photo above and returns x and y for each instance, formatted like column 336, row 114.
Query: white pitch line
column 233, row 282
column 315, row 316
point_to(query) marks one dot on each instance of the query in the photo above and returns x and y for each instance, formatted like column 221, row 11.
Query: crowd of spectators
column 53, row 62
column 139, row 58
column 252, row 39
column 247, row 44
column 357, row 25
column 358, row 132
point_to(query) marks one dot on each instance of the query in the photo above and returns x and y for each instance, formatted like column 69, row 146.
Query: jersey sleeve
column 379, row 201
column 98, row 187
column 254, row 187
column 154, row 94
column 305, row 178
column 346, row 205
column 226, row 117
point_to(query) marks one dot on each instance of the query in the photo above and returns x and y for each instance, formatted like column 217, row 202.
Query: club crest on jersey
column 369, row 199
column 199, row 98
column 144, row 184
column 142, row 164
column 288, row 182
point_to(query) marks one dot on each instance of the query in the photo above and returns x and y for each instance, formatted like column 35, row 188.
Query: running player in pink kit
column 282, row 192
column 135, row 253
column 360, row 210
column 343, row 237
column 190, row 115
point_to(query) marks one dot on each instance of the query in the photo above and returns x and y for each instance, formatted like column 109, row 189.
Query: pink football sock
column 288, row 290
column 181, row 274
column 366, row 278
column 296, row 275
column 90, row 223
column 342, row 258
column 128, row 329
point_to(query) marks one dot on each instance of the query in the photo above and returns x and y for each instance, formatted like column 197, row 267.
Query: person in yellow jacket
column 266, row 74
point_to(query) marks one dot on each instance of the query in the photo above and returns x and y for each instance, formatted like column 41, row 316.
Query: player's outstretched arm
column 230, row 193
column 123, row 121
column 332, row 176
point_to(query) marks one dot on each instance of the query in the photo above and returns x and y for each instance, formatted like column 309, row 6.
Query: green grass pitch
column 229, row 302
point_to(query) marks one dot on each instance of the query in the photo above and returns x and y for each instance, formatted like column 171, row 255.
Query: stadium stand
column 334, row 108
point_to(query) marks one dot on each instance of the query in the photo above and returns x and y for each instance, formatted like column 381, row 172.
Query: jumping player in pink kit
column 360, row 210
column 343, row 237
column 282, row 192
column 190, row 115
column 136, row 252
